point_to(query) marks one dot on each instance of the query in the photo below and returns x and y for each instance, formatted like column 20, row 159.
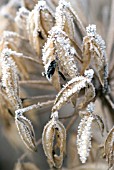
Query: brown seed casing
column 54, row 130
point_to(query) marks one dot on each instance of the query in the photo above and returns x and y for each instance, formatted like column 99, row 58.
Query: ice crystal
column 89, row 74
column 91, row 30
column 90, row 107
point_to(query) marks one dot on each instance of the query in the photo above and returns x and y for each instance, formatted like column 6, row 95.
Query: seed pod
column 40, row 21
column 109, row 148
column 54, row 131
column 59, row 49
column 88, row 96
column 26, row 131
column 94, row 47
column 10, row 78
column 21, row 19
column 72, row 87
column 66, row 18
column 84, row 137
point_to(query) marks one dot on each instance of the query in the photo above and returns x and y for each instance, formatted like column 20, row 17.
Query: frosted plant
column 39, row 22
column 26, row 130
column 21, row 17
column 10, row 78
column 66, row 19
column 54, row 130
column 109, row 148
column 84, row 137
column 37, row 32
column 61, row 52
column 94, row 48
column 72, row 87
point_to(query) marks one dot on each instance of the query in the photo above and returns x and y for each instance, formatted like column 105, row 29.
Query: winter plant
column 53, row 49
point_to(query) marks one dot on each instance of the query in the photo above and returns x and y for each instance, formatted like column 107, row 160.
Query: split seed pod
column 94, row 48
column 10, row 78
column 26, row 130
column 109, row 148
column 59, row 49
column 66, row 18
column 40, row 21
column 73, row 87
column 54, row 131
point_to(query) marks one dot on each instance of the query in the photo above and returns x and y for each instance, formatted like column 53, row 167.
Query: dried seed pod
column 90, row 110
column 94, row 47
column 109, row 148
column 84, row 137
column 88, row 96
column 66, row 18
column 54, row 130
column 40, row 21
column 59, row 48
column 72, row 87
column 49, row 60
column 10, row 78
column 100, row 123
column 21, row 19
column 26, row 130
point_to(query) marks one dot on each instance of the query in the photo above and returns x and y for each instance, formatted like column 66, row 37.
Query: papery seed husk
column 109, row 148
column 26, row 132
column 51, row 130
column 66, row 93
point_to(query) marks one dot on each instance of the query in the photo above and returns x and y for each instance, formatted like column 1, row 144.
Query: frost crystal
column 84, row 137
column 89, row 74
column 100, row 42
column 91, row 30
column 90, row 107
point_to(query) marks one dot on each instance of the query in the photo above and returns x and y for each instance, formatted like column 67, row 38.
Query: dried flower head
column 54, row 131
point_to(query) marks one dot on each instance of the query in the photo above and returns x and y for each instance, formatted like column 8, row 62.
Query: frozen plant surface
column 57, row 66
